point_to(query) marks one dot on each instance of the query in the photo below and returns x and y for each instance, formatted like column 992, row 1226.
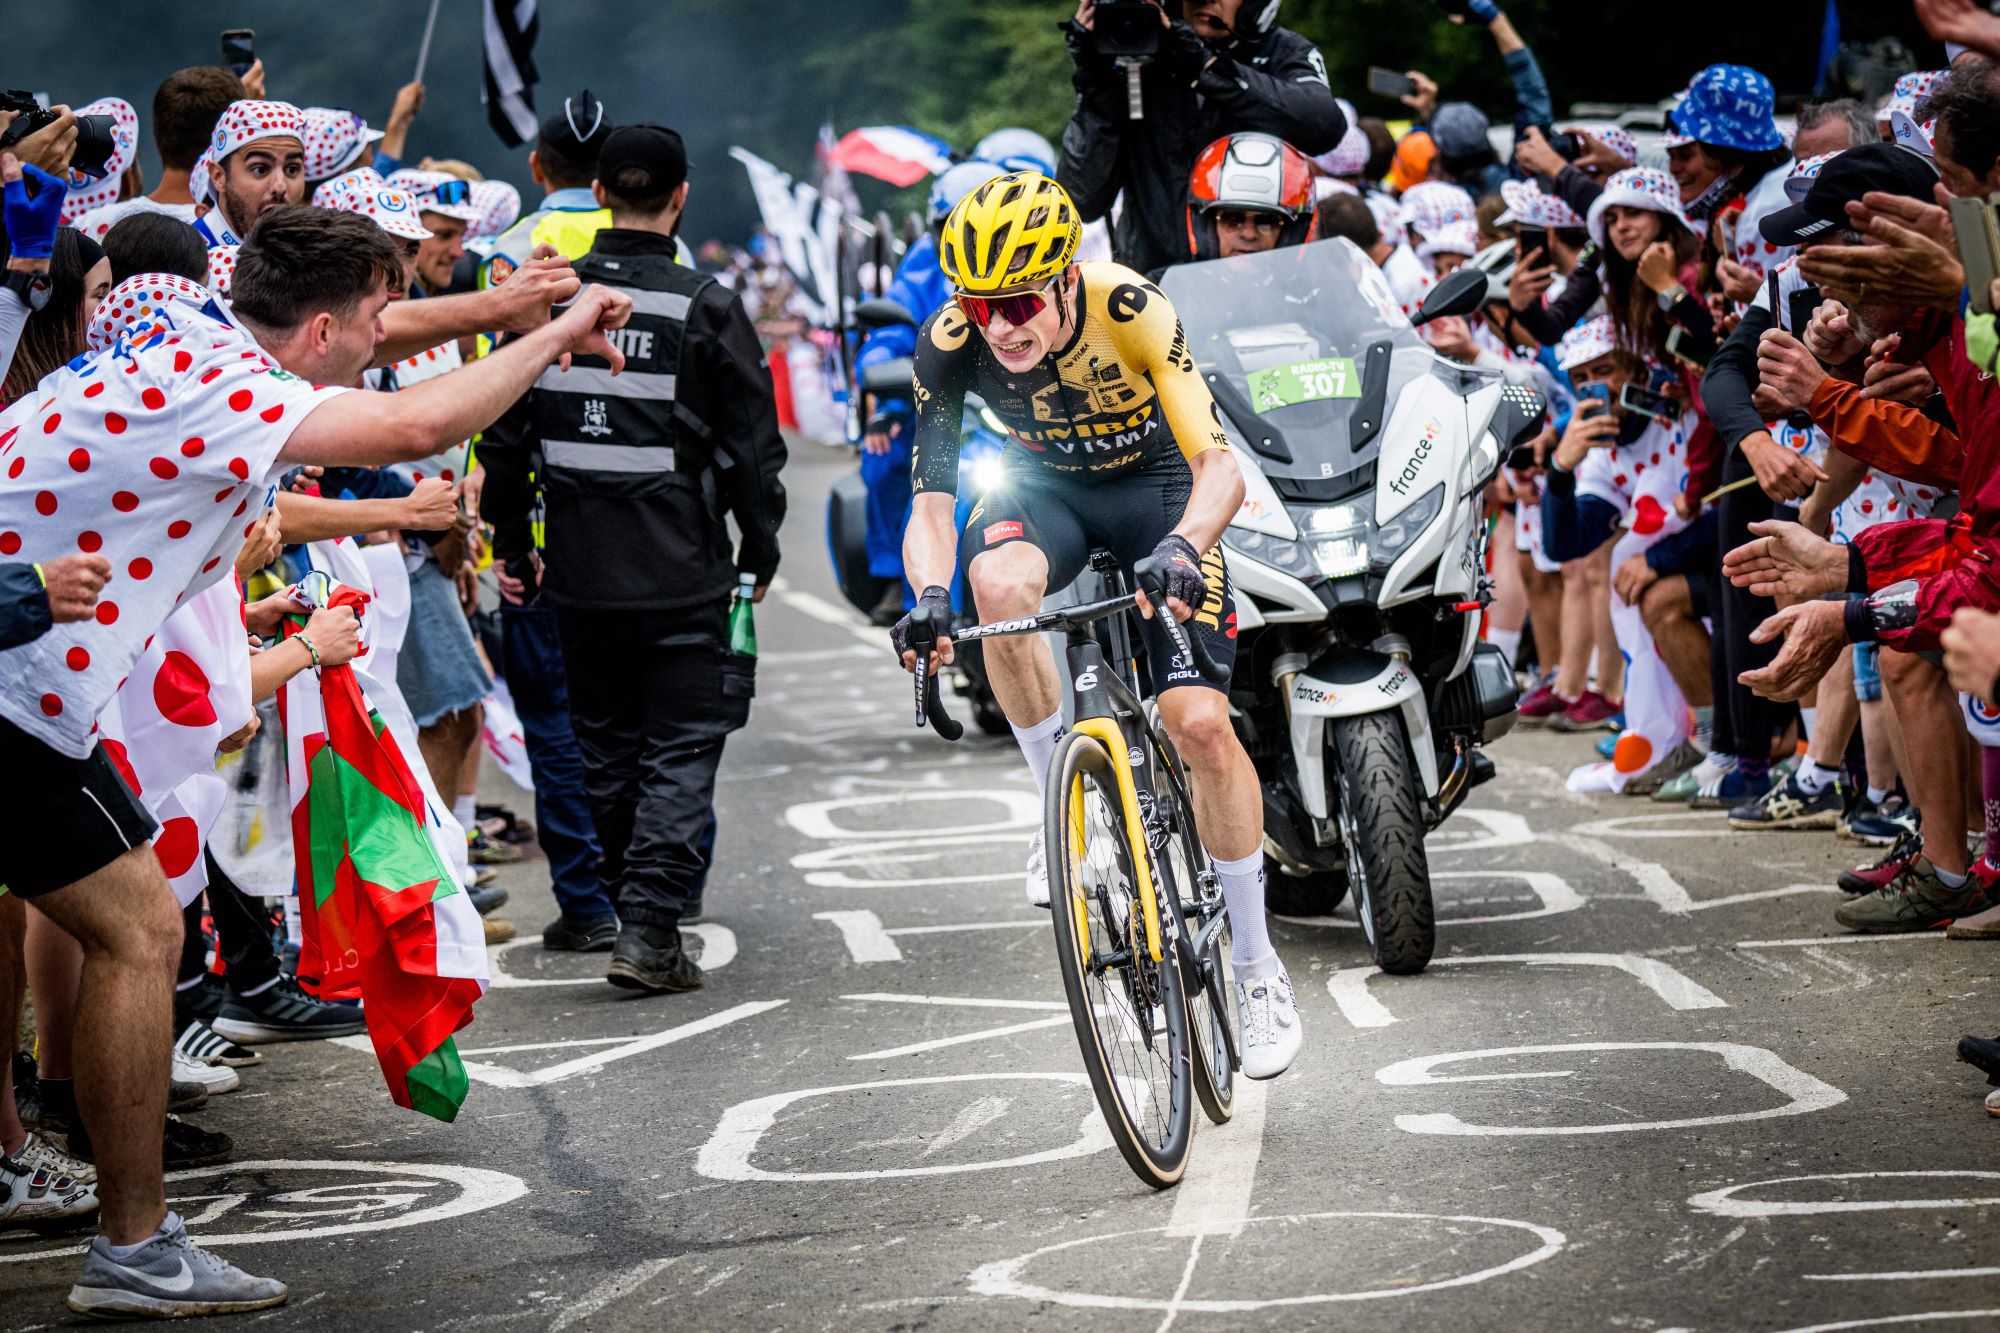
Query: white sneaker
column 216, row 1078
column 1271, row 1031
column 39, row 1152
column 35, row 1196
column 1709, row 773
column 1038, row 872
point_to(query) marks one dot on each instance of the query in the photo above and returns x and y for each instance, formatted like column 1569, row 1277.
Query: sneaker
column 1980, row 925
column 27, row 1090
column 1038, row 872
column 499, row 932
column 650, row 958
column 1993, row 1102
column 39, row 1152
column 1729, row 790
column 1869, row 878
column 284, row 1012
column 486, row 901
column 1915, row 900
column 1271, row 1031
column 565, row 936
column 1981, row 1053
column 199, row 1004
column 1880, row 825
column 1592, row 712
column 497, row 821
column 484, row 851
column 170, row 1277
column 185, row 1094
column 214, row 1078
column 1542, row 703
column 34, row 1196
column 1682, row 789
column 482, row 877
column 1678, row 761
column 1607, row 745
column 1786, row 806
column 199, row 1041
column 189, row 1145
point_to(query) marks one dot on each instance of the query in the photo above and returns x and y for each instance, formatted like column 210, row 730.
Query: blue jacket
column 921, row 287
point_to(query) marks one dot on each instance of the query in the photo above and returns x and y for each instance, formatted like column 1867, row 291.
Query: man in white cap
column 446, row 207
column 256, row 162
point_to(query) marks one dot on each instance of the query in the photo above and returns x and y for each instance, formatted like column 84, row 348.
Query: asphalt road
column 1647, row 1084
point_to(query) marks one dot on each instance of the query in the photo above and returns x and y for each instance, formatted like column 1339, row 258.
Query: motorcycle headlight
column 1396, row 534
column 1337, row 537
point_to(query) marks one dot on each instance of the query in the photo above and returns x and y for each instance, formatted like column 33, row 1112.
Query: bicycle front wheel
column 1129, row 1011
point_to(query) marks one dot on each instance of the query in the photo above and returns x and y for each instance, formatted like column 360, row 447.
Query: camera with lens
column 1129, row 29
column 1568, row 145
column 95, row 136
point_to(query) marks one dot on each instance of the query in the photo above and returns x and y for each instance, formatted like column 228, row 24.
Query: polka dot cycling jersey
column 1120, row 392
column 153, row 454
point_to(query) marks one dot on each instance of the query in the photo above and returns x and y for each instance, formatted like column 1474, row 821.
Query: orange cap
column 1412, row 163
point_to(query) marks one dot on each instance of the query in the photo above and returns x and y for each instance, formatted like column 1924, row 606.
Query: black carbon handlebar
column 930, row 707
column 1147, row 572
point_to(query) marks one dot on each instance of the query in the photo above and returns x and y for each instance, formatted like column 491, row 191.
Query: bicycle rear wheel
column 1194, row 900
column 1129, row 1012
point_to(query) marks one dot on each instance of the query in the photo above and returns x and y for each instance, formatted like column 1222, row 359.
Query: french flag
column 893, row 153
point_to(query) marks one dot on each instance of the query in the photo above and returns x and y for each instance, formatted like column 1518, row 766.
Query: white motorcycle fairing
column 1348, row 682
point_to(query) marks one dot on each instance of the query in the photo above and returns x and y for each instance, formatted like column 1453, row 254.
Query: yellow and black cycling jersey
column 1122, row 389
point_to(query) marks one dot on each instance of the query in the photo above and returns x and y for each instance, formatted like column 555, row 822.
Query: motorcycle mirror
column 881, row 312
column 1462, row 292
column 889, row 377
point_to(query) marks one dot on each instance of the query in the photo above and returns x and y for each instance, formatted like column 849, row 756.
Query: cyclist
column 1115, row 443
column 1250, row 193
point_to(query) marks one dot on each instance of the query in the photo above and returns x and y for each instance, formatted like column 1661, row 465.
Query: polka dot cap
column 1909, row 93
column 1586, row 342
column 366, row 193
column 221, row 268
column 499, row 204
column 1432, row 205
column 141, row 305
column 333, row 139
column 1454, row 238
column 247, row 121
column 85, row 193
column 1803, row 173
column 1529, row 206
column 199, row 184
column 1350, row 156
column 1637, row 187
column 420, row 184
column 1619, row 141
column 1905, row 129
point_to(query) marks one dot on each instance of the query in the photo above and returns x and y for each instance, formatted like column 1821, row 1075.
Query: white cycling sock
column 1814, row 777
column 1507, row 641
column 1242, row 883
column 463, row 810
column 1038, row 746
column 1808, row 718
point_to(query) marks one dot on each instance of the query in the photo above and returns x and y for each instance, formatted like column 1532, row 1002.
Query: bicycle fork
column 1097, row 717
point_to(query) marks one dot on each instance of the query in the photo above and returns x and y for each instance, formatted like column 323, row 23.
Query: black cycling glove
column 1180, row 570
column 939, row 601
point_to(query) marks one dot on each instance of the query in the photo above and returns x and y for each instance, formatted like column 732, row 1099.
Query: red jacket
column 1956, row 560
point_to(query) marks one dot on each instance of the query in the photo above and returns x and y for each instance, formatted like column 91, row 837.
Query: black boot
column 650, row 958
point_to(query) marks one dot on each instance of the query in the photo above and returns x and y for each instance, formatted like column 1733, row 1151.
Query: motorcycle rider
column 920, row 288
column 1227, row 67
column 1114, row 442
column 1250, row 193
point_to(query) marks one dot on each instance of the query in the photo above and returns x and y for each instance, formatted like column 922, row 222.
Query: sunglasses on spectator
column 451, row 192
column 1016, row 310
column 1237, row 217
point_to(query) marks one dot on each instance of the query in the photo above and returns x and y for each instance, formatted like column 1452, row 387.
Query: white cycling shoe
column 1038, row 872
column 1271, row 1031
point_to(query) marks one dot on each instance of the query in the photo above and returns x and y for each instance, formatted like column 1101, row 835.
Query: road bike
column 1142, row 934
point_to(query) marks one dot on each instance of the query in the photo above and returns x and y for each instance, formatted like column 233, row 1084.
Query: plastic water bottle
column 742, row 624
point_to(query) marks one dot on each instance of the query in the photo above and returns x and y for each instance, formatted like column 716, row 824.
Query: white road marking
column 863, row 935
column 1816, row 941
column 1640, row 826
column 962, row 1001
column 1917, row 1275
column 1503, row 828
column 1724, row 1203
column 1042, row 921
column 726, row 1155
column 826, row 867
column 815, row 820
column 1213, row 1198
column 1349, row 986
column 1938, row 1316
column 501, row 1076
column 1003, row 1278
column 611, row 1290
column 917, row 1048
column 975, row 1117
column 1556, row 894
column 478, row 1190
column 1805, row 1093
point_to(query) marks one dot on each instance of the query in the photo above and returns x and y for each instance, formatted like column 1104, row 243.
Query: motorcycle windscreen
column 1284, row 338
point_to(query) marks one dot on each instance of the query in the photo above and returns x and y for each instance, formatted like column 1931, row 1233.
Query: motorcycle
column 1362, row 688
column 979, row 469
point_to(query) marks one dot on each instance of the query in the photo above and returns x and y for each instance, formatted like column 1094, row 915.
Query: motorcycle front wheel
column 1382, row 823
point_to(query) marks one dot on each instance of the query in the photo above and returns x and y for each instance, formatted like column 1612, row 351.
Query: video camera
column 95, row 139
column 1130, row 29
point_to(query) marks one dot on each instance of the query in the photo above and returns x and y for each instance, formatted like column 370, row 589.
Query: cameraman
column 1226, row 67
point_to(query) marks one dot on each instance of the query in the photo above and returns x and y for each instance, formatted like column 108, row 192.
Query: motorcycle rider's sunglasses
column 1017, row 309
column 1238, row 217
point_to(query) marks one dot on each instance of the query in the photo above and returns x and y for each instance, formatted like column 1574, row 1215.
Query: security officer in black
column 636, row 473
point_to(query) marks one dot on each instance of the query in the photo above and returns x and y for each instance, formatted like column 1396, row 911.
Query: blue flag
column 1829, row 48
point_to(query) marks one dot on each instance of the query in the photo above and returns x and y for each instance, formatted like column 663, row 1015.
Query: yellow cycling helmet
column 1014, row 231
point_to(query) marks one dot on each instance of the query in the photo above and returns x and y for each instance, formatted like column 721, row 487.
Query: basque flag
column 510, row 28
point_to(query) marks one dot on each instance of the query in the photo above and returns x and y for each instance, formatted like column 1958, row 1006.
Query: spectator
column 79, row 276
column 1227, row 68
column 155, row 243
column 256, row 163
column 1461, row 130
column 185, row 111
